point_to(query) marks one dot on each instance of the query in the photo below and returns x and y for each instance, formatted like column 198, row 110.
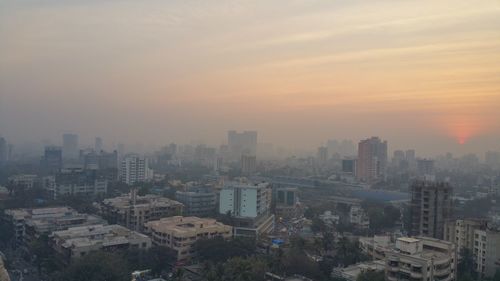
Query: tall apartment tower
column 98, row 146
column 431, row 207
column 4, row 151
column 322, row 155
column 52, row 161
column 244, row 143
column 70, row 146
column 134, row 169
column 372, row 160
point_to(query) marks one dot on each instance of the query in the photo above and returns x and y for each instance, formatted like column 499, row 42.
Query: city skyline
column 422, row 73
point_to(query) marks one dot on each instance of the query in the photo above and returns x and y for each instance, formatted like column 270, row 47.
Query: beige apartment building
column 421, row 259
column 132, row 210
column 180, row 233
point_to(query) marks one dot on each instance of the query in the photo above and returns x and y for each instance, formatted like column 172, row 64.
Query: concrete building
column 431, row 206
column 30, row 224
column 248, row 164
column 70, row 146
column 461, row 232
column 23, row 181
column 421, row 259
column 249, row 206
column 134, row 169
column 133, row 211
column 245, row 199
column 52, row 161
column 322, row 156
column 376, row 246
column 372, row 160
column 79, row 182
column 330, row 219
column 486, row 252
column 358, row 217
column 180, row 233
column 4, row 151
column 198, row 201
column 244, row 143
column 76, row 242
column 425, row 167
column 352, row 272
column 287, row 203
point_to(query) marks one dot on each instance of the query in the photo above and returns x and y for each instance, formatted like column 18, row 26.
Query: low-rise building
column 329, row 218
column 421, row 259
column 78, row 182
column 287, row 205
column 352, row 272
column 376, row 246
column 133, row 211
column 23, row 181
column 358, row 217
column 180, row 233
column 30, row 224
column 77, row 242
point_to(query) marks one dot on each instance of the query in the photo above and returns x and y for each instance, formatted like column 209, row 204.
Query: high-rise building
column 134, row 169
column 486, row 252
column 431, row 206
column 248, row 164
column 70, row 146
column 52, row 160
column 425, row 167
column 322, row 155
column 372, row 160
column 461, row 232
column 98, row 145
column 4, row 151
column 398, row 158
column 241, row 143
column 249, row 206
column 245, row 200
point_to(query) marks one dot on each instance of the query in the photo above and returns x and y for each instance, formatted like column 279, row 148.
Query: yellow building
column 180, row 233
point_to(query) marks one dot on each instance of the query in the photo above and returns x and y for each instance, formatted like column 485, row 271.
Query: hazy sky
column 423, row 74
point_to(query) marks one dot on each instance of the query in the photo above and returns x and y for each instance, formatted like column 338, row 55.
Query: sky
column 421, row 74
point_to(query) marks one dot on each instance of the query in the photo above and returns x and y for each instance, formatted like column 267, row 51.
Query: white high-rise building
column 135, row 169
column 245, row 200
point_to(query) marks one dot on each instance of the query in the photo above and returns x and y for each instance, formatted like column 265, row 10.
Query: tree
column 241, row 269
column 219, row 250
column 465, row 266
column 96, row 266
column 371, row 275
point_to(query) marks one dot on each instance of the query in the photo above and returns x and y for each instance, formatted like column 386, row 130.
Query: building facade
column 372, row 160
column 180, row 233
column 431, row 206
column 134, row 169
column 76, row 242
column 133, row 211
column 198, row 202
column 421, row 259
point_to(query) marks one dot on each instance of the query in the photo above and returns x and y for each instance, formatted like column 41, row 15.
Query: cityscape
column 282, row 140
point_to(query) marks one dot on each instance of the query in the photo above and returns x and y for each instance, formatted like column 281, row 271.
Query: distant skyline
column 421, row 74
